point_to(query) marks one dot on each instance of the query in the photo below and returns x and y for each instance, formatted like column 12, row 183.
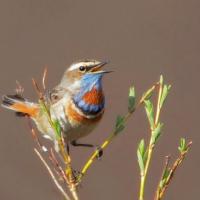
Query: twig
column 74, row 193
column 52, row 175
column 150, row 147
column 158, row 109
column 37, row 89
column 93, row 157
column 103, row 146
column 35, row 136
column 52, row 158
column 57, row 165
column 44, row 78
column 164, row 173
column 162, row 189
column 71, row 179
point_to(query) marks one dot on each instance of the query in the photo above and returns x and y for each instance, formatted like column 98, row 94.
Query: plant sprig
column 168, row 172
column 144, row 154
column 71, row 179
column 121, row 121
column 144, row 150
column 155, row 129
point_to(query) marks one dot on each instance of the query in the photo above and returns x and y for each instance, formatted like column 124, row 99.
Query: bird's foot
column 99, row 152
column 97, row 148
column 77, row 176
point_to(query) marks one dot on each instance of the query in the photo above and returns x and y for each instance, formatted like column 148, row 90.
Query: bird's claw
column 99, row 152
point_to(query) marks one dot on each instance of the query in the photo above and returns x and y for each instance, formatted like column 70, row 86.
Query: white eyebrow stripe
column 77, row 65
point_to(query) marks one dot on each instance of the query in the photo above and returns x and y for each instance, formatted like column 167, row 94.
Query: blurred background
column 142, row 39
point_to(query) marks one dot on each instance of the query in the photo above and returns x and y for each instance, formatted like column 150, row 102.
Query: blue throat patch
column 88, row 82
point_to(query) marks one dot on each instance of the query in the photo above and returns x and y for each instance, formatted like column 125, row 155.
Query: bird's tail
column 21, row 106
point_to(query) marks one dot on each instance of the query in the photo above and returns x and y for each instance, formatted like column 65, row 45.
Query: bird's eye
column 82, row 68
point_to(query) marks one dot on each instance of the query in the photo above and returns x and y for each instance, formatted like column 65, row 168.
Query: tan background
column 141, row 39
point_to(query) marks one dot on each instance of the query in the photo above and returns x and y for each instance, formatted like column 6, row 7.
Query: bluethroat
column 77, row 102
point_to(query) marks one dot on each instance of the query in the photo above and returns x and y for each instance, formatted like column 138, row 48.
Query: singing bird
column 77, row 102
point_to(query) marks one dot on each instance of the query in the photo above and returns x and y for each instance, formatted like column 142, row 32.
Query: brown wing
column 56, row 94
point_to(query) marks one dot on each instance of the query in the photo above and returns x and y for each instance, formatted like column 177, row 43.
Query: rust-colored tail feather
column 21, row 106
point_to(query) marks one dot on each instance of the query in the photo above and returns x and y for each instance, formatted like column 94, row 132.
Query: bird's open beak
column 97, row 69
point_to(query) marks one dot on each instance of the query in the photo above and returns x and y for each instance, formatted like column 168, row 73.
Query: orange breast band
column 94, row 97
column 80, row 118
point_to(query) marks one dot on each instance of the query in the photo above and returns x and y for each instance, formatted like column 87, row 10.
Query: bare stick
column 44, row 78
column 52, row 175
column 55, row 162
column 35, row 136
column 37, row 89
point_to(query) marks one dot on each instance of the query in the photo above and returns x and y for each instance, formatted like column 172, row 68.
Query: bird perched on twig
column 77, row 102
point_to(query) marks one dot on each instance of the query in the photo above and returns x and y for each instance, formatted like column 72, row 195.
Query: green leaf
column 120, row 124
column 58, row 128
column 150, row 112
column 141, row 147
column 166, row 173
column 165, row 92
column 156, row 133
column 182, row 147
column 131, row 99
column 164, row 177
column 140, row 162
column 145, row 156
column 140, row 155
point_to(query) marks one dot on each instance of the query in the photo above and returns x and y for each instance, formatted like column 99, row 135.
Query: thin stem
column 91, row 159
column 44, row 78
column 68, row 168
column 52, row 175
column 161, row 191
column 95, row 154
column 144, row 175
column 159, row 187
column 74, row 193
column 158, row 105
column 103, row 146
column 150, row 147
column 142, row 187
column 64, row 154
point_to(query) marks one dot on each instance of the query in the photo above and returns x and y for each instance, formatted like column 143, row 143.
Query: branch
column 168, row 172
column 52, row 175
column 44, row 78
column 35, row 136
column 120, row 125
column 145, row 155
column 55, row 124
